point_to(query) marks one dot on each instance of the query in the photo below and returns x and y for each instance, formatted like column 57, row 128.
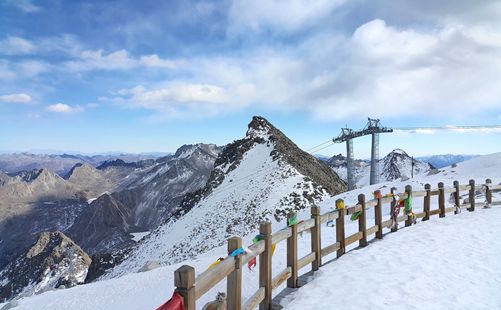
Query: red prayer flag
column 175, row 303
column 252, row 263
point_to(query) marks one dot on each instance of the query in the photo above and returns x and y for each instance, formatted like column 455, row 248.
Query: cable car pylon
column 374, row 128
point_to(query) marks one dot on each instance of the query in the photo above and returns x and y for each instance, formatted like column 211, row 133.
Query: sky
column 150, row 76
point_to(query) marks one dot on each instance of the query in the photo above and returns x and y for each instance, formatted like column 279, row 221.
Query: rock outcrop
column 53, row 261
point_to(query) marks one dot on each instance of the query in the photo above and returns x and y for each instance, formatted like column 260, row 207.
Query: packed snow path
column 448, row 263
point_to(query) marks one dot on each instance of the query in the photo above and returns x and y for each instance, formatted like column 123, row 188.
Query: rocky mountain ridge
column 260, row 177
column 61, row 163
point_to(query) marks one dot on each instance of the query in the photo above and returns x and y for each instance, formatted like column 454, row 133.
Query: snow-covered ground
column 441, row 264
column 450, row 263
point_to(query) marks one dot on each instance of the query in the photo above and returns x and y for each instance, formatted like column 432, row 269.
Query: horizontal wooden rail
column 329, row 216
column 402, row 218
column 434, row 212
column 254, row 300
column 331, row 249
column 353, row 209
column 450, row 209
column 419, row 194
column 305, row 225
column 281, row 235
column 306, row 260
column 386, row 224
column 386, row 200
column 371, row 203
column 353, row 238
column 255, row 249
column 207, row 279
column 420, row 215
column 372, row 230
column 281, row 277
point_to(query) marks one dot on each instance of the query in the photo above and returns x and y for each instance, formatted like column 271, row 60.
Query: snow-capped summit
column 260, row 177
column 398, row 164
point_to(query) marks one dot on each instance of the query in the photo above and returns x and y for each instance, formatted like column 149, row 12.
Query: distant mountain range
column 61, row 163
column 441, row 161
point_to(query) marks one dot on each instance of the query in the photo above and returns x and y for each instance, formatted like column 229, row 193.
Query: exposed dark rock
column 104, row 226
column 103, row 262
column 53, row 261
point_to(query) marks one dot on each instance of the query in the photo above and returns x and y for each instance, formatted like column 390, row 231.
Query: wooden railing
column 192, row 288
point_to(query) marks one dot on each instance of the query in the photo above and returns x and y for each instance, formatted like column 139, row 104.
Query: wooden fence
column 192, row 288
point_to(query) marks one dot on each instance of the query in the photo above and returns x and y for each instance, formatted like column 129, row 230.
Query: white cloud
column 89, row 60
column 157, row 62
column 64, row 108
column 449, row 128
column 182, row 100
column 97, row 60
column 16, row 45
column 26, row 6
column 277, row 15
column 32, row 68
column 15, row 98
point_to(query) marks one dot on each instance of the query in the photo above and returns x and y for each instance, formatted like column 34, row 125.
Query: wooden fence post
column 394, row 228
column 362, row 222
column 316, row 244
column 456, row 197
column 488, row 192
column 408, row 191
column 234, row 279
column 292, row 253
column 441, row 199
column 378, row 215
column 340, row 227
column 472, row 196
column 265, row 276
column 184, row 280
column 426, row 202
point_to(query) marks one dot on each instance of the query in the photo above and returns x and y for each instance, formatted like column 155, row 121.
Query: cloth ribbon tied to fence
column 175, row 303
column 292, row 220
column 253, row 262
column 237, row 252
column 356, row 215
column 215, row 263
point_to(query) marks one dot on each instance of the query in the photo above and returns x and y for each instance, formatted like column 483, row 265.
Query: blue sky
column 144, row 76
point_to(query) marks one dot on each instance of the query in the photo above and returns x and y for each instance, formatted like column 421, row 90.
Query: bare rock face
column 156, row 191
column 34, row 186
column 104, row 226
column 53, row 261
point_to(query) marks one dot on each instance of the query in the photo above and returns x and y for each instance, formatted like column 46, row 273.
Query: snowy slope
column 451, row 263
column 150, row 289
column 251, row 182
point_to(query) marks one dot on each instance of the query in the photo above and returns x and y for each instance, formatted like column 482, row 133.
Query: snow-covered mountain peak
column 398, row 152
column 259, row 127
column 260, row 177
